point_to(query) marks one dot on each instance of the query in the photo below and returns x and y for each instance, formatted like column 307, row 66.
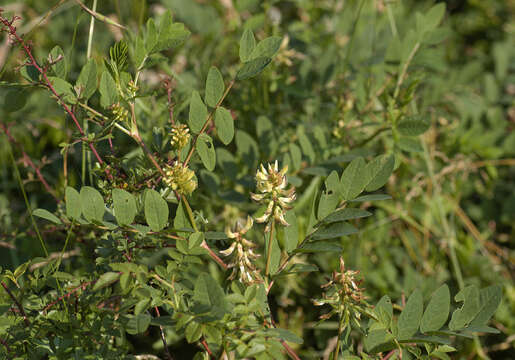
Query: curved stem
column 269, row 249
column 341, row 327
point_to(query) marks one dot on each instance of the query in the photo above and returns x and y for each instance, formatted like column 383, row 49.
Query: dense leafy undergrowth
column 312, row 179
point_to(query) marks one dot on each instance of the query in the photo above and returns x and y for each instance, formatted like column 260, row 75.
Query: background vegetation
column 325, row 99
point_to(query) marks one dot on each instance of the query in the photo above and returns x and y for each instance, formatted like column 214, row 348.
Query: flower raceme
column 271, row 190
column 242, row 254
column 180, row 178
column 344, row 295
column 180, row 134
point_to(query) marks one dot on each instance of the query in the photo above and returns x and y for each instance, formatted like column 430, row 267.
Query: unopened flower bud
column 180, row 134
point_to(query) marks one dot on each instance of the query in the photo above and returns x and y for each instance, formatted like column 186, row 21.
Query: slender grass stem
column 27, row 203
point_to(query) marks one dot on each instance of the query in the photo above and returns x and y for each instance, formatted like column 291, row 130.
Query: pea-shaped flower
column 271, row 190
column 242, row 254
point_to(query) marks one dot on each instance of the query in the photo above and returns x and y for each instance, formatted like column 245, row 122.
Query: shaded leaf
column 345, row 214
column 267, row 47
column 252, row 68
column 206, row 151
column 334, row 230
column 59, row 67
column 378, row 171
column 108, row 90
column 437, row 311
column 413, row 126
column 247, row 44
column 92, row 204
column 224, row 125
column 214, row 86
column 198, row 113
column 73, row 207
column 156, row 210
column 353, row 179
column 105, row 280
column 410, row 317
column 471, row 306
column 87, row 80
column 138, row 324
column 47, row 215
column 124, row 204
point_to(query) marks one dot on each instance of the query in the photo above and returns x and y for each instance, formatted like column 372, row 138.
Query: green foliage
column 390, row 155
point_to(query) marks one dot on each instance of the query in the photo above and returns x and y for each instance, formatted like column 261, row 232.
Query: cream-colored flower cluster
column 271, row 189
column 119, row 112
column 180, row 134
column 343, row 294
column 242, row 254
column 180, row 178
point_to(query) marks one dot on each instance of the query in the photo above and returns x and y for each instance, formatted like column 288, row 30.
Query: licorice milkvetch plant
column 160, row 258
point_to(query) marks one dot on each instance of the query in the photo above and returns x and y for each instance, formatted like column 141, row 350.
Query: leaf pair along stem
column 206, row 124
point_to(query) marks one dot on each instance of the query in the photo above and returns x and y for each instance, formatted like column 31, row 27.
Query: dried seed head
column 180, row 178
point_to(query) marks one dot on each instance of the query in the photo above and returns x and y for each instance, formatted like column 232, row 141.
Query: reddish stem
column 18, row 304
column 29, row 161
column 43, row 71
column 206, row 347
column 68, row 294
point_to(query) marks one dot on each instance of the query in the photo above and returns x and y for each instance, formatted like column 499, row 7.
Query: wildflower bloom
column 119, row 112
column 180, row 134
column 242, row 254
column 271, row 190
column 343, row 294
column 180, row 178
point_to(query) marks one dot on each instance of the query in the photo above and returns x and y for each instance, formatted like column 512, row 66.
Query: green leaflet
column 206, row 151
column 108, row 90
column 410, row 316
column 47, row 215
column 214, row 87
column 353, row 179
column 72, row 200
column 124, row 206
column 247, row 44
column 87, row 80
column 437, row 311
column 198, row 113
column 224, row 124
column 156, row 210
column 92, row 204
column 60, row 66
column 252, row 68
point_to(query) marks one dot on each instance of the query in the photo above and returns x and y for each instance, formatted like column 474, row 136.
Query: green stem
column 269, row 249
column 208, row 120
column 391, row 18
column 449, row 235
column 27, row 204
column 189, row 212
column 341, row 327
column 404, row 69
column 91, row 30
